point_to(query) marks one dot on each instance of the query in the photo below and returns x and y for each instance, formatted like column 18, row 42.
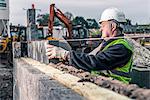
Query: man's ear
column 113, row 26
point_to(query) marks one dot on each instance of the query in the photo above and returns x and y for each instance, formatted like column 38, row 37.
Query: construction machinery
column 17, row 34
column 4, row 41
column 73, row 32
column 5, row 37
column 70, row 33
column 54, row 12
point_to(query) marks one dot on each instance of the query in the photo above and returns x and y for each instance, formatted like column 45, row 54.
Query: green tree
column 78, row 20
column 43, row 20
column 69, row 15
column 92, row 24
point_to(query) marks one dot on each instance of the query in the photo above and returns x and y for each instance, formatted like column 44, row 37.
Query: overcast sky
column 136, row 10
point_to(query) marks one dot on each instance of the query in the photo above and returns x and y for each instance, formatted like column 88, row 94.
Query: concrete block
column 52, row 89
column 37, row 50
column 31, row 84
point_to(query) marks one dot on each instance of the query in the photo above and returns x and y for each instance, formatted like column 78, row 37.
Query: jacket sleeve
column 114, row 56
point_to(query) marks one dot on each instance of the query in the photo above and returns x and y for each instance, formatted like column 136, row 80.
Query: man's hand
column 56, row 52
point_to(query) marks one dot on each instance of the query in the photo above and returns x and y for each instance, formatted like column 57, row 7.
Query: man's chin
column 103, row 36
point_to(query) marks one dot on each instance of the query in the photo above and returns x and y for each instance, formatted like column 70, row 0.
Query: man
column 113, row 57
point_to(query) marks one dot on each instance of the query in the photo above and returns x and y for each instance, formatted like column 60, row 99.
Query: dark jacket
column 114, row 56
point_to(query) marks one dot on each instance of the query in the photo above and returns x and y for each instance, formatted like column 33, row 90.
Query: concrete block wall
column 37, row 49
column 31, row 84
column 37, row 81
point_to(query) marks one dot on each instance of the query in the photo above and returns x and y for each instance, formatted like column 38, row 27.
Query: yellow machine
column 145, row 41
column 5, row 49
column 5, row 37
column 3, row 44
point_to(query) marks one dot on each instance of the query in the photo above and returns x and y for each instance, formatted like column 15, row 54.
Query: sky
column 138, row 11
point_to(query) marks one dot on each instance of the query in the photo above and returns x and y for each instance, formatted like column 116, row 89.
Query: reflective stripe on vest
column 120, row 73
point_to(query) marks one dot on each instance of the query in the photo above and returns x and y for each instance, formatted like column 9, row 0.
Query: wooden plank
column 87, row 89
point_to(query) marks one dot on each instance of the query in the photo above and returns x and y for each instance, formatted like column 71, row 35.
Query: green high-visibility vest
column 119, row 73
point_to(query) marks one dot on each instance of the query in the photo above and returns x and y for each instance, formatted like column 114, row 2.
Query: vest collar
column 105, row 43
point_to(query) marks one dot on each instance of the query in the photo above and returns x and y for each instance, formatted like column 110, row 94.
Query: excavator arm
column 54, row 12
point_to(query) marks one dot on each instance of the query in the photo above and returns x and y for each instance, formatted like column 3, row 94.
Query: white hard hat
column 112, row 13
